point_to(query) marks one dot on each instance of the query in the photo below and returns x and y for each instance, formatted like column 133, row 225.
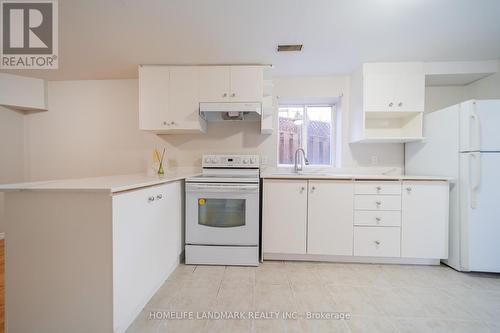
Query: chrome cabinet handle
column 165, row 123
column 159, row 197
column 391, row 104
column 377, row 242
column 378, row 188
column 313, row 188
column 408, row 189
column 400, row 104
column 151, row 199
column 233, row 95
column 224, row 95
column 302, row 189
column 378, row 203
column 378, row 219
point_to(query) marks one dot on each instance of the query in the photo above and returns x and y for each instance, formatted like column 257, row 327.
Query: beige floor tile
column 330, row 326
column 379, row 298
column 143, row 324
column 399, row 302
column 229, row 326
column 354, row 300
column 371, row 324
column 426, row 325
column 274, row 297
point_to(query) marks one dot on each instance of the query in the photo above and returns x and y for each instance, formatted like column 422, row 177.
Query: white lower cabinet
column 383, row 219
column 329, row 223
column 146, row 246
column 284, row 216
column 425, row 220
column 377, row 241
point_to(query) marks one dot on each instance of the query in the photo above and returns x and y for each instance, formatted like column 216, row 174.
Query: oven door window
column 221, row 213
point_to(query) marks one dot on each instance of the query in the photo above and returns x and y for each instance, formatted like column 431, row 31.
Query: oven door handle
column 223, row 187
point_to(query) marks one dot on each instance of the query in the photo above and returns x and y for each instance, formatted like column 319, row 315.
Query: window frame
column 304, row 108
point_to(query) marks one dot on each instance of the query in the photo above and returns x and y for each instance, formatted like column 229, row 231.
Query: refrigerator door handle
column 474, row 177
column 474, row 132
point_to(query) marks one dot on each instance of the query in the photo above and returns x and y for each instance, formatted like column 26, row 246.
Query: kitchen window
column 309, row 127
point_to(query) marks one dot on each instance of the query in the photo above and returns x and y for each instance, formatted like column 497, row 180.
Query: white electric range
column 222, row 212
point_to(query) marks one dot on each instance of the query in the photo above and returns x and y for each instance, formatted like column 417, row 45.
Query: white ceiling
column 102, row 39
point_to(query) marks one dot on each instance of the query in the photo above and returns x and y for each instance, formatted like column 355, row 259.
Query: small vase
column 161, row 172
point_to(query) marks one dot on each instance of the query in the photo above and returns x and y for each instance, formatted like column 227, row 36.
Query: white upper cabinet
column 215, row 83
column 392, row 87
column 170, row 96
column 169, row 100
column 183, row 101
column 330, row 218
column 153, row 96
column 231, row 83
column 424, row 222
column 246, row 84
column 387, row 102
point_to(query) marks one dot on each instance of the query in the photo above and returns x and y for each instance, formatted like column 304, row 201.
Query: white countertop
column 285, row 175
column 111, row 184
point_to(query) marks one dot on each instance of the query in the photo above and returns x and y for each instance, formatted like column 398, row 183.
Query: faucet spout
column 299, row 166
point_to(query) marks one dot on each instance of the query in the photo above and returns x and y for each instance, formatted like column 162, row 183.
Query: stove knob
column 207, row 160
column 214, row 160
column 252, row 160
column 245, row 161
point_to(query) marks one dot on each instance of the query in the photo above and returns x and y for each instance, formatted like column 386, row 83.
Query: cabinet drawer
column 390, row 188
column 377, row 218
column 377, row 241
column 377, row 202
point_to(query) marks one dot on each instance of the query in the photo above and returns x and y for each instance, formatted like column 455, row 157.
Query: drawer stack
column 377, row 218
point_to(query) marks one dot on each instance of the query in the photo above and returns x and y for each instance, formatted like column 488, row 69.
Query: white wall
column 11, row 150
column 487, row 88
column 437, row 98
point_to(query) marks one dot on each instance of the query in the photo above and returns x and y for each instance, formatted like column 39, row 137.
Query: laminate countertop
column 342, row 176
column 111, row 184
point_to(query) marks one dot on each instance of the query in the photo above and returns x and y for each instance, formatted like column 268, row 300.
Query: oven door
column 222, row 214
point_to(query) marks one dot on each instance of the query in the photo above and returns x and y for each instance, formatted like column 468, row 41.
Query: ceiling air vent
column 289, row 48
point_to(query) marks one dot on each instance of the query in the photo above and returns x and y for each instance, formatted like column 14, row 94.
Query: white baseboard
column 352, row 259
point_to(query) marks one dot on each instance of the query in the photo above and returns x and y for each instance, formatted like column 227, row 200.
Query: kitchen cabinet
column 231, row 83
column 387, row 102
column 330, row 219
column 424, row 221
column 284, row 216
column 146, row 237
column 313, row 218
column 215, row 83
column 108, row 251
column 169, row 100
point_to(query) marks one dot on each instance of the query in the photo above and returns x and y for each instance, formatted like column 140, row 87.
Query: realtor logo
column 29, row 34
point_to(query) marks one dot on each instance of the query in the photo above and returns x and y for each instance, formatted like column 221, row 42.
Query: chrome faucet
column 298, row 167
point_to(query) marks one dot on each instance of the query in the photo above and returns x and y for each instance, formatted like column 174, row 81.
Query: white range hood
column 231, row 111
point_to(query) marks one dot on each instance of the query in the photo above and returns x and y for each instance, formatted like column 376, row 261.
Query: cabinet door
column 145, row 244
column 184, row 97
column 330, row 217
column 214, row 84
column 153, row 97
column 424, row 224
column 284, row 216
column 409, row 93
column 378, row 91
column 246, row 84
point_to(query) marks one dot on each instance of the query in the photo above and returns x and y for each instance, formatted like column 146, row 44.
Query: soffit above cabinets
column 457, row 73
column 23, row 93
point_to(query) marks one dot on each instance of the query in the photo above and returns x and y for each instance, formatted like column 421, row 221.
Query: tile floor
column 379, row 298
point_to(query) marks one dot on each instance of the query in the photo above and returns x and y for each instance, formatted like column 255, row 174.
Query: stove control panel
column 230, row 161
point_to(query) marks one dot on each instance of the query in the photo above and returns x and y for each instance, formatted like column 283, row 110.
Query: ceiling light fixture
column 289, row 47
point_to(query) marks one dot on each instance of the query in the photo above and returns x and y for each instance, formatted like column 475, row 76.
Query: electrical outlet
column 374, row 159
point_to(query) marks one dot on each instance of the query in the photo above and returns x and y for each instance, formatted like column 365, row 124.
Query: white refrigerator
column 463, row 142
